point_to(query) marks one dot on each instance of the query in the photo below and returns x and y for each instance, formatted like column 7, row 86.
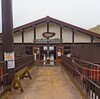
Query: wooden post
column 92, row 38
column 91, row 48
column 23, row 51
column 73, row 33
column 34, row 27
column 47, row 26
column 7, row 33
column 47, row 41
column 61, row 33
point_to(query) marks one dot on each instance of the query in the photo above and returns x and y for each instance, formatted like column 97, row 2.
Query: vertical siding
column 1, row 52
column 17, row 50
column 0, row 39
column 96, row 53
column 83, row 51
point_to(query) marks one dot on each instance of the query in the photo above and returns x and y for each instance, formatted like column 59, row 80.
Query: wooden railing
column 3, row 76
column 20, row 63
column 85, row 75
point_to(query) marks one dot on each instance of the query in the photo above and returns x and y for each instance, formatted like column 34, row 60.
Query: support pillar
column 34, row 27
column 73, row 35
column 48, row 41
column 23, row 51
column 91, row 48
column 61, row 34
column 7, row 34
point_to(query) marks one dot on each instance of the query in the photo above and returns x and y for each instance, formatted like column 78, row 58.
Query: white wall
column 40, row 29
column 81, row 38
column 67, row 35
column 56, row 29
column 96, row 40
column 29, row 35
column 17, row 37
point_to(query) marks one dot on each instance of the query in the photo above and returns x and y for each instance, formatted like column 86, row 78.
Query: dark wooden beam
column 73, row 38
column 34, row 27
column 92, row 38
column 73, row 32
column 48, row 38
column 91, row 48
column 7, row 32
column 22, row 31
column 61, row 28
column 47, row 26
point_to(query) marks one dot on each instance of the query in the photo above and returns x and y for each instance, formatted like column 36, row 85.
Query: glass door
column 48, row 54
column 36, row 53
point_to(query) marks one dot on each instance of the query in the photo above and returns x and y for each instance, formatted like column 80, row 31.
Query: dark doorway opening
column 48, row 53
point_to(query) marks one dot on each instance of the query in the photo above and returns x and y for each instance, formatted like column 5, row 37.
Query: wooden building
column 68, row 39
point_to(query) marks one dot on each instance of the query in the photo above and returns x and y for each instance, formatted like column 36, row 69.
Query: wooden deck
column 46, row 83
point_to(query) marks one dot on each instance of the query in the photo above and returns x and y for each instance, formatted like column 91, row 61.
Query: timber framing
column 48, row 20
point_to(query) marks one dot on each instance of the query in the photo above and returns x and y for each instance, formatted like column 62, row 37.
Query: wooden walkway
column 46, row 83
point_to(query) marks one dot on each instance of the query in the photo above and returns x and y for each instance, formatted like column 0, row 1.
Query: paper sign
column 11, row 64
column 59, row 53
column 9, row 57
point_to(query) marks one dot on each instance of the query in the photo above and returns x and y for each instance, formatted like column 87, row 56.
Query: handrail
column 86, row 74
column 83, row 61
column 3, row 76
column 20, row 63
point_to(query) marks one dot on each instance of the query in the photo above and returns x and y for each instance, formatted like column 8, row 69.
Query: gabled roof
column 56, row 21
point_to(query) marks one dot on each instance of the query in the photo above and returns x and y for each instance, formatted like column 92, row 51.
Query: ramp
column 46, row 83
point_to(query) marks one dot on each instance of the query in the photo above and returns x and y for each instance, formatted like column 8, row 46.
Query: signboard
column 48, row 34
column 47, row 40
column 9, row 57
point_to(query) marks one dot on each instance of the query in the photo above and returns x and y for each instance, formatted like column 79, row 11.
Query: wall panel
column 67, row 35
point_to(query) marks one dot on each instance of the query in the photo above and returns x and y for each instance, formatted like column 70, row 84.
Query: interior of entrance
column 48, row 54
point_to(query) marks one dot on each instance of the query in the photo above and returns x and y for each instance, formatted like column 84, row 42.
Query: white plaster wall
column 56, row 29
column 40, row 29
column 29, row 35
column 17, row 37
column 96, row 40
column 67, row 35
column 81, row 38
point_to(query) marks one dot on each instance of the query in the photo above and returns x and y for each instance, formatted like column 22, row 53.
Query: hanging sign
column 9, row 57
column 48, row 34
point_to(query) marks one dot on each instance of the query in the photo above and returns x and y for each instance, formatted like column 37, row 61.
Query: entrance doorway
column 48, row 54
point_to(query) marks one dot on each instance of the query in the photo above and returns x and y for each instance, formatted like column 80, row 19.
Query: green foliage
column 95, row 29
